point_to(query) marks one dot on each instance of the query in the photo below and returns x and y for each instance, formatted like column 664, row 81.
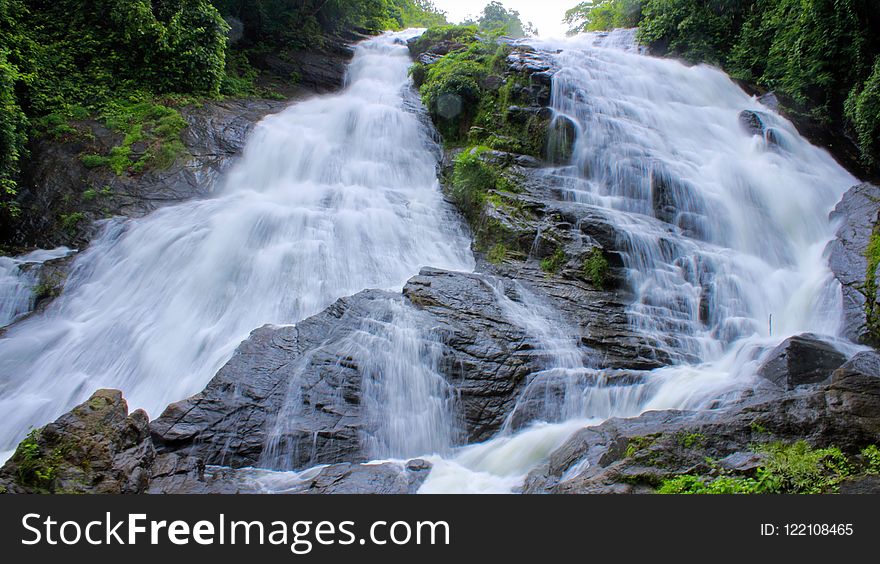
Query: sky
column 545, row 14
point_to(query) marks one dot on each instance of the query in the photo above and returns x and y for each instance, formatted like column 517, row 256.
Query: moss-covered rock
column 95, row 448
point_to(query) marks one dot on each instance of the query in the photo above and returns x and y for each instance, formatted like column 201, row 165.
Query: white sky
column 545, row 14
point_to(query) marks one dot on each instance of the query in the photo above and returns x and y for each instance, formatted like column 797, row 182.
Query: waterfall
column 719, row 229
column 332, row 196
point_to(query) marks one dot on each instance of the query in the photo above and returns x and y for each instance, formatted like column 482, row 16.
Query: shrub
column 863, row 111
column 596, row 268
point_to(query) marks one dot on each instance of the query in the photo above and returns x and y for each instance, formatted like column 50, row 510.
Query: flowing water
column 334, row 195
column 19, row 280
column 719, row 230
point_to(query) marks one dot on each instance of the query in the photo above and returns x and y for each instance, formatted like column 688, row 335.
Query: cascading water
column 19, row 278
column 334, row 195
column 719, row 230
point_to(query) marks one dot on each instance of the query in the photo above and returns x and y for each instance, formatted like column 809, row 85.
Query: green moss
column 497, row 254
column 638, row 444
column 37, row 469
column 553, row 263
column 691, row 440
column 595, row 268
column 872, row 308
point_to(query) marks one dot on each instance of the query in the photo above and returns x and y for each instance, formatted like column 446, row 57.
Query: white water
column 19, row 276
column 746, row 242
column 339, row 194
column 334, row 195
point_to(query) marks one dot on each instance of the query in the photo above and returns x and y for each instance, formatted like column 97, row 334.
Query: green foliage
column 871, row 454
column 13, row 136
column 788, row 469
column 863, row 111
column 70, row 222
column 464, row 34
column 872, row 307
column 472, row 179
column 554, row 262
column 596, row 267
column 497, row 254
column 497, row 20
column 597, row 15
column 799, row 468
column 155, row 128
column 36, row 470
column 816, row 54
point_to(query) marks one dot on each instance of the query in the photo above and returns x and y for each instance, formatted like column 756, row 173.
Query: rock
column 867, row 363
column 770, row 101
column 751, row 122
column 861, row 485
column 95, row 448
column 561, row 140
column 858, row 213
column 391, row 478
column 804, row 359
column 306, row 374
column 635, row 455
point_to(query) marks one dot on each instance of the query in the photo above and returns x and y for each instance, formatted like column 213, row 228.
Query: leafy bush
column 863, row 111
column 554, row 262
column 597, row 15
column 596, row 268
column 13, row 136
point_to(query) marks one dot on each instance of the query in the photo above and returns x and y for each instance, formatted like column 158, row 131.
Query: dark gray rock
column 305, row 374
column 95, row 448
column 861, row 485
column 752, row 122
column 804, row 359
column 858, row 213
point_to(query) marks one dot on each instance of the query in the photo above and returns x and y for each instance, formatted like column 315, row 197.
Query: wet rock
column 636, row 455
column 805, row 359
column 305, row 374
column 867, row 363
column 95, row 448
column 858, row 213
column 751, row 122
column 388, row 479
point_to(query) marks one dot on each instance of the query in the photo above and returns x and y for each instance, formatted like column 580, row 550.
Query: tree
column 497, row 19
column 596, row 15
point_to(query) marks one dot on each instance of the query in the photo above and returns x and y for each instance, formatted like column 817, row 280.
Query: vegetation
column 132, row 63
column 497, row 254
column 795, row 468
column 497, row 20
column 596, row 268
column 554, row 262
column 596, row 15
column 36, row 469
column 821, row 57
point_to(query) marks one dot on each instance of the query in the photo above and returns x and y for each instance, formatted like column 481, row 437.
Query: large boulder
column 857, row 213
column 95, row 448
column 804, row 359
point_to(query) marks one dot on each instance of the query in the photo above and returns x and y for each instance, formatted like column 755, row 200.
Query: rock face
column 858, row 213
column 804, row 359
column 309, row 376
column 95, row 448
column 635, row 455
